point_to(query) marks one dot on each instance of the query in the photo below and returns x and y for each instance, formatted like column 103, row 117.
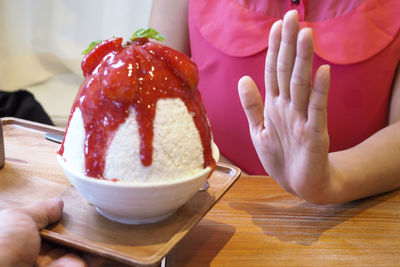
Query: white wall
column 41, row 43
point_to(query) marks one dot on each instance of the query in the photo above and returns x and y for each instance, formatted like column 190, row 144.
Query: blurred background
column 41, row 44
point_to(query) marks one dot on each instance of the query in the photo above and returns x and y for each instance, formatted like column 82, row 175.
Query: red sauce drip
column 134, row 76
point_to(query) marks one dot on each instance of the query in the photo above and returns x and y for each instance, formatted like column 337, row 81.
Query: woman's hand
column 290, row 132
column 20, row 241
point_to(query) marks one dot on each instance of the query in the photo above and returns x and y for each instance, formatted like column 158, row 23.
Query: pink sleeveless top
column 359, row 39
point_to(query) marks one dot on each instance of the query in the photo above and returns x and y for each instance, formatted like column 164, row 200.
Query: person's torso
column 359, row 39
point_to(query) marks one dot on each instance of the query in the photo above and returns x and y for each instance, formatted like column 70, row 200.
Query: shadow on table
column 210, row 238
column 292, row 219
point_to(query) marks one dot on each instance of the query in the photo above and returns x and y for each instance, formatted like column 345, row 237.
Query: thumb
column 44, row 212
column 252, row 103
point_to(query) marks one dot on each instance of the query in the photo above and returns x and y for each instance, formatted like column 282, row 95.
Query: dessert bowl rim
column 106, row 182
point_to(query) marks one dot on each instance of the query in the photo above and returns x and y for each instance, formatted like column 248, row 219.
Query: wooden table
column 257, row 223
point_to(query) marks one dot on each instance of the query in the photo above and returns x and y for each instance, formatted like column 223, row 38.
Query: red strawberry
column 182, row 66
column 98, row 53
column 119, row 76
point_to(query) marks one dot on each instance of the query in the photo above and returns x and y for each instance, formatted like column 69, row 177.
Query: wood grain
column 258, row 224
column 255, row 223
column 31, row 173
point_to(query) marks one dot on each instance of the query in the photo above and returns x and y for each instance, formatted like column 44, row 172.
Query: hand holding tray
column 31, row 173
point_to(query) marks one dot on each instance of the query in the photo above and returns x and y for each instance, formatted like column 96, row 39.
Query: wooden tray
column 32, row 173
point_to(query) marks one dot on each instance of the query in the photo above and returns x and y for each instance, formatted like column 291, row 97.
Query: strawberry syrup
column 120, row 77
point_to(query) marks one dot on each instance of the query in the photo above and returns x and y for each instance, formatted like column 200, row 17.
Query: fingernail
column 306, row 29
column 293, row 11
column 241, row 81
column 276, row 24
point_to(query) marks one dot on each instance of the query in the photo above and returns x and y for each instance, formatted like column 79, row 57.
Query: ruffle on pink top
column 346, row 39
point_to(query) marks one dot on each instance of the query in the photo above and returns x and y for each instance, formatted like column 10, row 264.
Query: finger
column 252, row 103
column 70, row 260
column 94, row 260
column 271, row 79
column 319, row 98
column 57, row 256
column 49, row 255
column 287, row 52
column 300, row 83
column 44, row 212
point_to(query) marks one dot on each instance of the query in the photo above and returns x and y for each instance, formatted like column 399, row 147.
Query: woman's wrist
column 325, row 187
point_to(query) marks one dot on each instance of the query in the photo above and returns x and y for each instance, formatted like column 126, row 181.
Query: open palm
column 290, row 132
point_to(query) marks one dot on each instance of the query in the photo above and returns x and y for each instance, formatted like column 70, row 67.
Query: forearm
column 169, row 17
column 370, row 168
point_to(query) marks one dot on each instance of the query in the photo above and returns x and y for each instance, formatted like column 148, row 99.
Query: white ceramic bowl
column 136, row 203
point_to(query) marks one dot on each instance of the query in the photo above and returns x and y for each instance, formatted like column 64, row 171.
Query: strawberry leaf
column 91, row 46
column 148, row 33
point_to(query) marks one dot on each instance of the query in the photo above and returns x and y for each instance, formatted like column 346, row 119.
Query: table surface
column 257, row 223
